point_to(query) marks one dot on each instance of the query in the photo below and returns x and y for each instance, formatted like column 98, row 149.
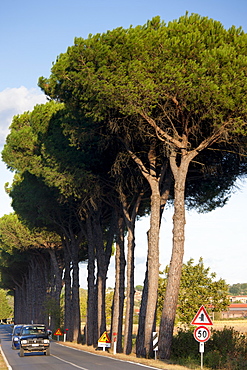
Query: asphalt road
column 62, row 358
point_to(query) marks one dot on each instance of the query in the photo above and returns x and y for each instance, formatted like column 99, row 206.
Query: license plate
column 35, row 345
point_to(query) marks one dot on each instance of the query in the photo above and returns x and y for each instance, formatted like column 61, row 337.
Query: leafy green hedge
column 226, row 349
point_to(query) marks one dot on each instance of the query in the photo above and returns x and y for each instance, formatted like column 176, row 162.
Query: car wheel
column 21, row 352
column 48, row 352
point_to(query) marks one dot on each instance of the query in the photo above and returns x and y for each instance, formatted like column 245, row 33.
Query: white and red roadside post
column 65, row 335
column 202, row 332
column 114, row 343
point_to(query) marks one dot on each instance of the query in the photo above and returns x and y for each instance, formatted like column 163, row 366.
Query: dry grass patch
column 238, row 325
column 131, row 358
column 2, row 362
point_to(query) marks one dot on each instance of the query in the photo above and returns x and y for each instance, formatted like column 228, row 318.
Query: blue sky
column 34, row 33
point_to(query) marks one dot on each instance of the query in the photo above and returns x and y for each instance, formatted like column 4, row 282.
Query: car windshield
column 33, row 330
column 17, row 330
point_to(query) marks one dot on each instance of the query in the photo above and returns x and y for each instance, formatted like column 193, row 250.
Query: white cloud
column 16, row 101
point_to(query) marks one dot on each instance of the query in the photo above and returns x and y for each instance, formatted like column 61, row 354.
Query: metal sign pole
column 201, row 349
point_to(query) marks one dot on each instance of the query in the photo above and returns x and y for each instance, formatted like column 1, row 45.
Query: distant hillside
column 238, row 289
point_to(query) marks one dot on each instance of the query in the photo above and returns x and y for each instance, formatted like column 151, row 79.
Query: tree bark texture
column 142, row 316
column 103, row 254
column 130, row 293
column 153, row 270
column 92, row 317
column 118, row 299
column 130, row 290
column 152, row 276
column 57, row 267
column 67, row 294
column 175, row 269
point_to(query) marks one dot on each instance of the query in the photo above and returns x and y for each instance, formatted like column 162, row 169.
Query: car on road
column 34, row 338
column 16, row 336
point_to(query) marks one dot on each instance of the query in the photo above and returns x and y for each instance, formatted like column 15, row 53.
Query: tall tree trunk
column 101, row 280
column 153, row 247
column 57, row 266
column 142, row 315
column 25, row 313
column 18, row 302
column 67, row 293
column 130, row 291
column 175, row 269
column 144, row 345
column 92, row 317
column 130, row 294
column 76, row 241
column 118, row 299
column 165, row 185
column 103, row 254
column 35, row 287
column 76, row 302
column 72, row 302
column 179, row 159
column 153, row 270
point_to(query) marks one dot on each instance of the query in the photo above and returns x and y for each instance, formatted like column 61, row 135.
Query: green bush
column 184, row 345
column 213, row 359
column 226, row 350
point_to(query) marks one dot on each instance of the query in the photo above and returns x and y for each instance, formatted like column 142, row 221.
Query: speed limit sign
column 201, row 334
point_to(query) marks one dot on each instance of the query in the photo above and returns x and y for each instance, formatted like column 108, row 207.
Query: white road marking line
column 112, row 358
column 5, row 359
column 70, row 363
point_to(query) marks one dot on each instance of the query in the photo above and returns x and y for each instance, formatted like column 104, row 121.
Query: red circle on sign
column 202, row 334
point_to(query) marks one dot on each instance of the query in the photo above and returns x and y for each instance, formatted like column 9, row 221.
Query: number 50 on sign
column 201, row 334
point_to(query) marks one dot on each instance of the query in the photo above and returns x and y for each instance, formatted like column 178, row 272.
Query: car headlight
column 46, row 340
column 16, row 339
column 24, row 341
